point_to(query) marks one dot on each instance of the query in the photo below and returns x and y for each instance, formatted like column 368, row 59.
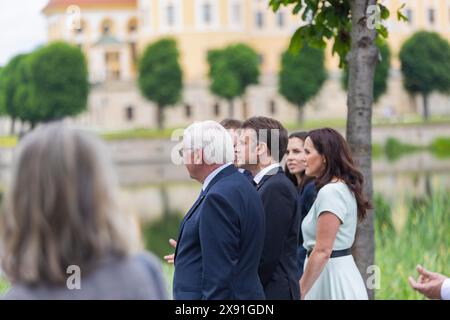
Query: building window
column 216, row 109
column 236, row 13
column 106, row 27
column 273, row 107
column 170, row 15
column 132, row 26
column 259, row 19
column 280, row 19
column 129, row 113
column 431, row 17
column 206, row 13
column 409, row 15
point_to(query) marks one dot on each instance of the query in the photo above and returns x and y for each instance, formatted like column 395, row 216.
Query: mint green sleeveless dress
column 340, row 279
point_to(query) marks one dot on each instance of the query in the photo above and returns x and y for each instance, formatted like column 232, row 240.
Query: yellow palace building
column 112, row 34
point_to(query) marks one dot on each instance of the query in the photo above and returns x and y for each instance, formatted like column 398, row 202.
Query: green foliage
column 377, row 151
column 9, row 85
column 394, row 149
column 425, row 59
column 330, row 20
column 302, row 75
column 383, row 218
column 381, row 73
column 440, row 147
column 232, row 70
column 4, row 285
column 157, row 234
column 423, row 240
column 160, row 75
column 58, row 82
column 48, row 84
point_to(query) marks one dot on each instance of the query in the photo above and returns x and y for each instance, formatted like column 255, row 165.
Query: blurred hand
column 171, row 257
column 428, row 283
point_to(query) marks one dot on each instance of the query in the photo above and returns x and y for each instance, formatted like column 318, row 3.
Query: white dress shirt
column 264, row 171
column 213, row 174
column 445, row 290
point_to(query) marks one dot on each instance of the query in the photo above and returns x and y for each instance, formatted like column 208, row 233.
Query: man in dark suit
column 221, row 237
column 261, row 147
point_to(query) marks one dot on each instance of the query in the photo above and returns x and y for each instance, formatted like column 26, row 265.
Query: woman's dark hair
column 339, row 163
column 302, row 135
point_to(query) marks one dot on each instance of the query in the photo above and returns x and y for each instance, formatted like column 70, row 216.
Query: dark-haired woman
column 295, row 171
column 330, row 226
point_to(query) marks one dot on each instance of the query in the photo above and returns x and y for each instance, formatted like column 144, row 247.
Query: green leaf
column 383, row 31
column 296, row 43
column 297, row 8
column 400, row 15
column 384, row 12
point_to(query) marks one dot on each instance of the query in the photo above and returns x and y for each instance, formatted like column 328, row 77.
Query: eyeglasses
column 181, row 151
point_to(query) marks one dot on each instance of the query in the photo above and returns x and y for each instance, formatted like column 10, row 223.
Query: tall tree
column 381, row 73
column 8, row 87
column 302, row 75
column 160, row 76
column 352, row 25
column 59, row 78
column 231, row 71
column 425, row 59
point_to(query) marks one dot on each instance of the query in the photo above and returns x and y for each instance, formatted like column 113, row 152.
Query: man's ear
column 262, row 148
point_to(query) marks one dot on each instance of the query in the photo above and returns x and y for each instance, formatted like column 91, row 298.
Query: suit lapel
column 223, row 173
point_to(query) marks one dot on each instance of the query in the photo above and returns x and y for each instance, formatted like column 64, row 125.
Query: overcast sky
column 22, row 27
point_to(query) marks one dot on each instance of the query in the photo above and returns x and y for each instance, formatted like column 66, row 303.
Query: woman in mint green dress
column 329, row 227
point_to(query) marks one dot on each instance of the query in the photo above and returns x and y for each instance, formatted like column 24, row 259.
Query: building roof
column 107, row 40
column 58, row 5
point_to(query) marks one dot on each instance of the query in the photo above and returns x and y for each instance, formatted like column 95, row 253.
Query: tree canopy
column 425, row 59
column 160, row 75
column 302, row 75
column 232, row 70
column 48, row 84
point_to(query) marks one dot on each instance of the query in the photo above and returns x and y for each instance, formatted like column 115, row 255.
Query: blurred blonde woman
column 62, row 234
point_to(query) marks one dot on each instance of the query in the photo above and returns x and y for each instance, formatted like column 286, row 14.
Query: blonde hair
column 60, row 209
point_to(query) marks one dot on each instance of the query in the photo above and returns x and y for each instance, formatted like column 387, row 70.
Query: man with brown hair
column 261, row 147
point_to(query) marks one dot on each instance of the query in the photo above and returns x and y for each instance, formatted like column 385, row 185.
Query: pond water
column 153, row 185
column 150, row 189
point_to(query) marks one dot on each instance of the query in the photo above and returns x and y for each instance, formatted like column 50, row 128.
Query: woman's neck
column 299, row 178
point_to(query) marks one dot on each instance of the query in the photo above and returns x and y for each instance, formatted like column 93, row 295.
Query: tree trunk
column 363, row 58
column 231, row 109
column 426, row 112
column 300, row 115
column 13, row 124
column 164, row 201
column 160, row 116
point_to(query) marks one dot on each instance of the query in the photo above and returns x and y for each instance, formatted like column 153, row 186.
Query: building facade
column 112, row 34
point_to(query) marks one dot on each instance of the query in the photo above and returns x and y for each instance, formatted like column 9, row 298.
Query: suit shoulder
column 281, row 182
